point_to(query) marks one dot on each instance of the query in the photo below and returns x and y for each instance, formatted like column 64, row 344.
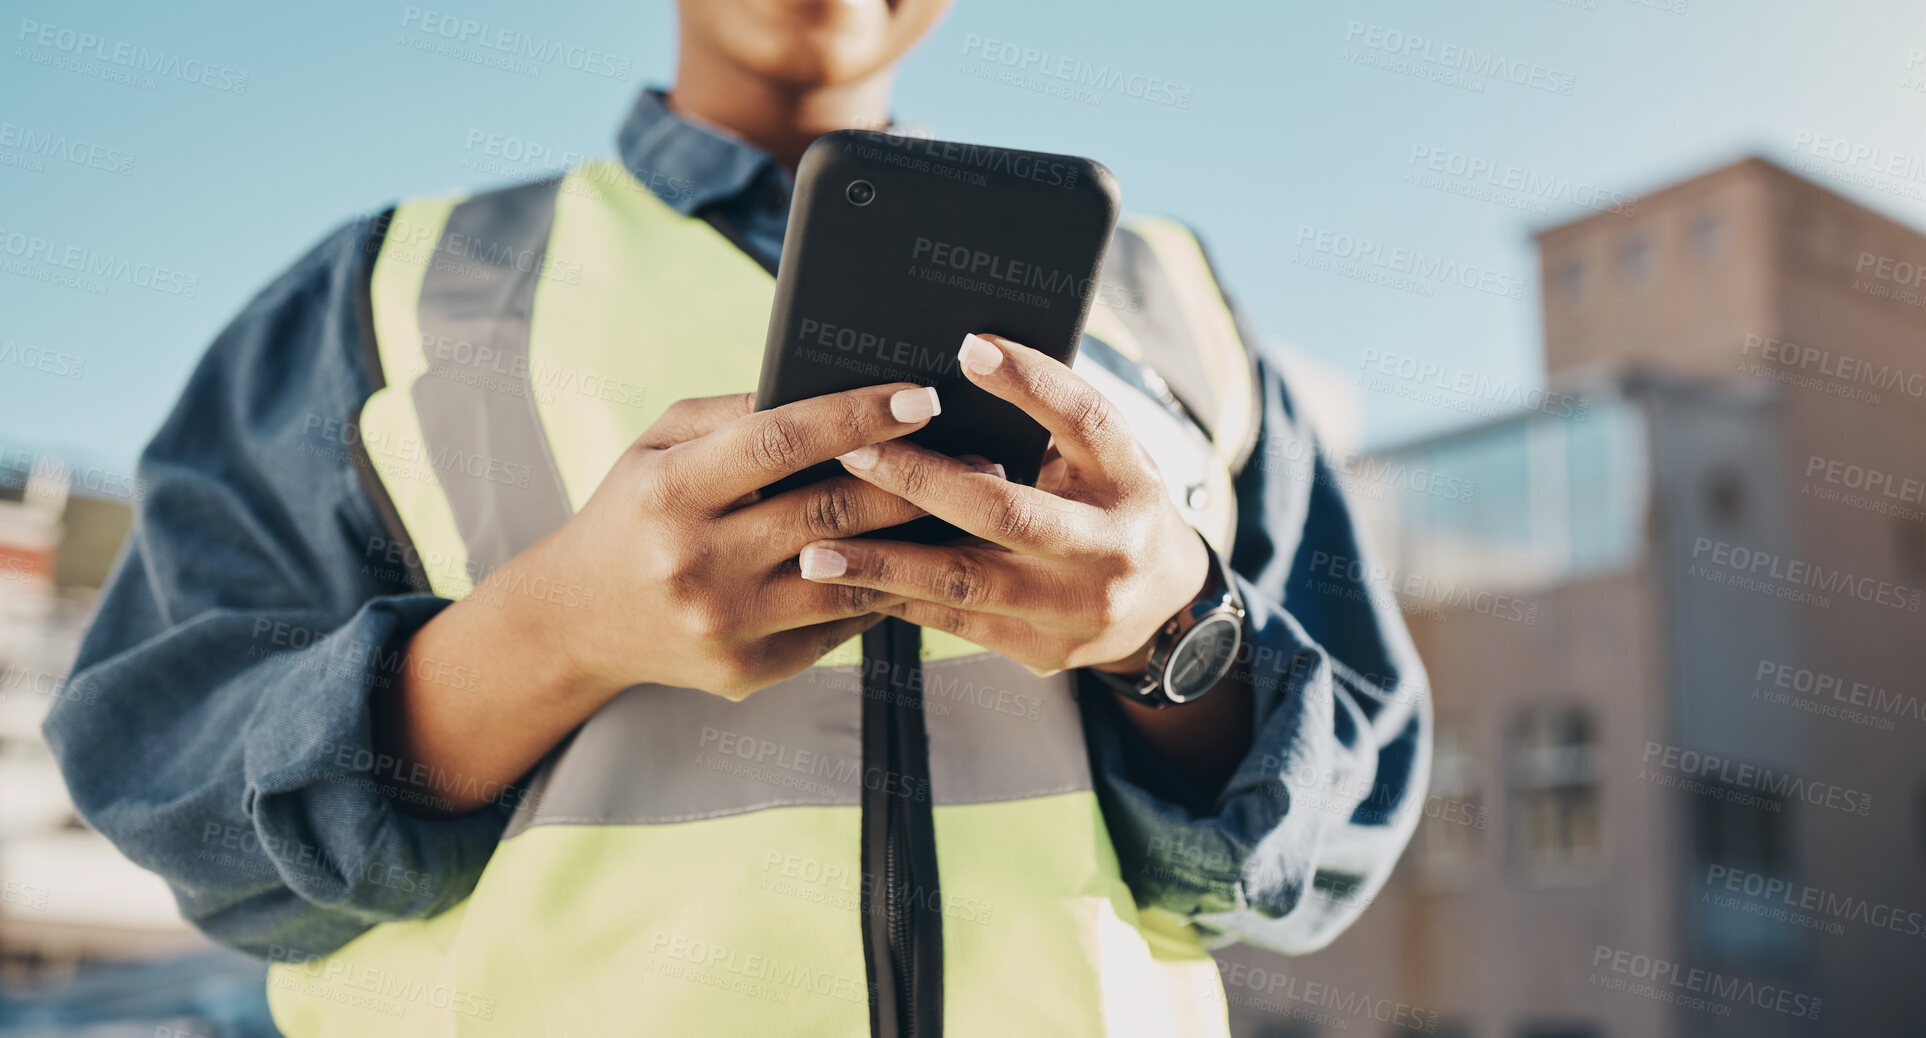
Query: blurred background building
column 55, row 548
column 90, row 944
column 1670, row 608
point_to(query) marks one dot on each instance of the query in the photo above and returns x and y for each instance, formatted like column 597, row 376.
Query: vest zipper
column 901, row 904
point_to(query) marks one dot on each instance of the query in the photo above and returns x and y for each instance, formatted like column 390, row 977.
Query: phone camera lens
column 860, row 192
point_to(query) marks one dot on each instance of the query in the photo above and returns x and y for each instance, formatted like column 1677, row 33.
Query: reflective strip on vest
column 494, row 463
column 994, row 738
column 683, row 864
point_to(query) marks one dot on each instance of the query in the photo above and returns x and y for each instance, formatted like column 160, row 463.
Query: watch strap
column 1218, row 595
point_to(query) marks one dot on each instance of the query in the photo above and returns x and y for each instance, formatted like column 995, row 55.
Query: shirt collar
column 686, row 164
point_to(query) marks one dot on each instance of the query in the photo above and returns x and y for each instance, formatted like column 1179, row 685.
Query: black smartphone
column 897, row 247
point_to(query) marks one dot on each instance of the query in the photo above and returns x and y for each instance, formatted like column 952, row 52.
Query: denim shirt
column 217, row 726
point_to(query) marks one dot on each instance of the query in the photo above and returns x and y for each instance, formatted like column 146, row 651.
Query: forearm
column 1202, row 740
column 485, row 691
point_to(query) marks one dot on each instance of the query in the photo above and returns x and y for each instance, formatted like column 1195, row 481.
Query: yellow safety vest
column 910, row 825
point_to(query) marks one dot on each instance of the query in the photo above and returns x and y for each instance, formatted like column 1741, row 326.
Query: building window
column 1919, row 816
column 1724, row 489
column 1452, row 832
column 1742, row 833
column 1708, row 234
column 1555, row 801
column 1740, row 829
column 1562, row 1029
column 1568, row 280
column 1911, row 545
column 1635, row 258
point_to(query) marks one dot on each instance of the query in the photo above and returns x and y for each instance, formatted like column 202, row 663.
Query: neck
column 780, row 118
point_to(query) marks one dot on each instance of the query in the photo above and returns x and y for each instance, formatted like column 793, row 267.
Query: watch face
column 1202, row 658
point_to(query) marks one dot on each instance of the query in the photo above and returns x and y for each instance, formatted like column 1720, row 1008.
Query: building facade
column 1671, row 611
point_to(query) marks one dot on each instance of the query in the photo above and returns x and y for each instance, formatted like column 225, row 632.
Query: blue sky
column 1270, row 127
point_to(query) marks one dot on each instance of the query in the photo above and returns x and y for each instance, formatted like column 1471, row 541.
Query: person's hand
column 1079, row 571
column 694, row 574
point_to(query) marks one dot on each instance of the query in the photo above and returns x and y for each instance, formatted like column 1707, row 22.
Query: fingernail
column 979, row 354
column 863, row 457
column 823, row 563
column 914, row 405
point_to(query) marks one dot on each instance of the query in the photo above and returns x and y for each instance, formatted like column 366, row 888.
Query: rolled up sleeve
column 217, row 724
column 1310, row 824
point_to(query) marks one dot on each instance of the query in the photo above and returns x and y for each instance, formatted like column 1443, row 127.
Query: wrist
column 1132, row 665
column 552, row 640
column 1191, row 652
column 1191, row 572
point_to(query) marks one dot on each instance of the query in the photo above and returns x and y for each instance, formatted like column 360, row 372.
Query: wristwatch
column 1194, row 649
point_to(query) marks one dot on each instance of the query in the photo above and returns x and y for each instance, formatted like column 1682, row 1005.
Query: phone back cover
column 958, row 238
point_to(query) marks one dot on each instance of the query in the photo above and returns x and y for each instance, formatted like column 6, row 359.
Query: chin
column 817, row 59
column 810, row 43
